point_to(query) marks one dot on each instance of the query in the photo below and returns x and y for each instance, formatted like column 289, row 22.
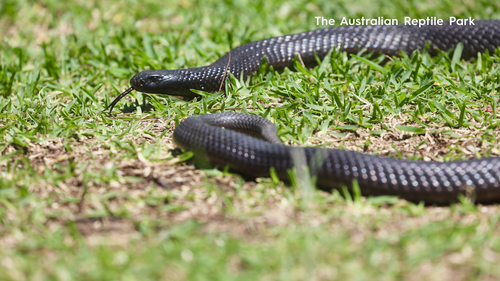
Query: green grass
column 83, row 197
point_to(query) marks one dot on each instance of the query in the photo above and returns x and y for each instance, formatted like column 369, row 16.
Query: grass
column 87, row 196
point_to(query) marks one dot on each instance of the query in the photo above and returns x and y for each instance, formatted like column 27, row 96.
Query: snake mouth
column 138, row 82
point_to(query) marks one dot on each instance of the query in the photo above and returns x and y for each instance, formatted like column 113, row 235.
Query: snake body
column 431, row 182
column 245, row 60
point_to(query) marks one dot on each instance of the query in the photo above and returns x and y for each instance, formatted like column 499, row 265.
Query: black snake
column 431, row 182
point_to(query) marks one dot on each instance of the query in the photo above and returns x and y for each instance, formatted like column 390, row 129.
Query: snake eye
column 154, row 78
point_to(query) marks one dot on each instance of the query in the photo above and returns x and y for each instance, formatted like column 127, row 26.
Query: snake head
column 165, row 82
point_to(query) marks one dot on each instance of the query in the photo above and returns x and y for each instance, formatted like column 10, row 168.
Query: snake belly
column 430, row 182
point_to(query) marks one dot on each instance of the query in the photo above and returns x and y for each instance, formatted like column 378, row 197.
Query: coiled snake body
column 431, row 182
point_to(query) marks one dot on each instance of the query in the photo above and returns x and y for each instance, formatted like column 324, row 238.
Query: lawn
column 85, row 195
